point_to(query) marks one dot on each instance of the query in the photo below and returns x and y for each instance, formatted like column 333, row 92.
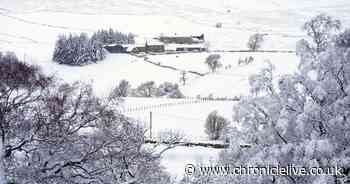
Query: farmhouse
column 161, row 45
column 148, row 46
column 181, row 39
column 186, row 47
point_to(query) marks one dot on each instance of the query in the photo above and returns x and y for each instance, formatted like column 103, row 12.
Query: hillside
column 30, row 29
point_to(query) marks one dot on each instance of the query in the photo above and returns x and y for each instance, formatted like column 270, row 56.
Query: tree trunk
column 2, row 167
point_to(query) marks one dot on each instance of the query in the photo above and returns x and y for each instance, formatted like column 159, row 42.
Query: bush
column 77, row 50
column 215, row 125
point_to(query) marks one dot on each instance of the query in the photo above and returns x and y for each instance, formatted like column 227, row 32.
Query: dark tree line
column 112, row 36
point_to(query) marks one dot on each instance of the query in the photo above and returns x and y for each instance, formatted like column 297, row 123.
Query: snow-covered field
column 36, row 24
column 186, row 116
column 31, row 27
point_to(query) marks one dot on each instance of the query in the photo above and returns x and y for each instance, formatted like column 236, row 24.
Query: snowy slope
column 39, row 22
column 31, row 27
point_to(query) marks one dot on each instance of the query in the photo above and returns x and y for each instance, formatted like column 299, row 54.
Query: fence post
column 150, row 125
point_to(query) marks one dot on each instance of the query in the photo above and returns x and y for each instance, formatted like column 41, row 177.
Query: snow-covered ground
column 229, row 82
column 36, row 24
column 186, row 116
column 176, row 160
column 31, row 27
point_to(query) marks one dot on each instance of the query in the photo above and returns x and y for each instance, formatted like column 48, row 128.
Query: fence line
column 181, row 102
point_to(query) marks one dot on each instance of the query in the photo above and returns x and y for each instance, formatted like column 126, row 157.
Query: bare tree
column 214, row 125
column 320, row 29
column 255, row 41
column 213, row 62
column 183, row 77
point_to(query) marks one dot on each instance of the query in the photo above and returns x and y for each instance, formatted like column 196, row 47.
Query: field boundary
column 180, row 102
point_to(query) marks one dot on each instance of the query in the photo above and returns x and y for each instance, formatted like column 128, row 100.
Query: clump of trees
column 213, row 62
column 303, row 119
column 77, row 50
column 81, row 49
column 150, row 89
column 169, row 90
column 215, row 125
column 54, row 132
column 146, row 89
column 255, row 41
column 113, row 36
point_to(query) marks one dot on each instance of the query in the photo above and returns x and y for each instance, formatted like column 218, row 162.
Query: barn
column 186, row 47
column 154, row 46
column 147, row 47
column 116, row 48
column 182, row 39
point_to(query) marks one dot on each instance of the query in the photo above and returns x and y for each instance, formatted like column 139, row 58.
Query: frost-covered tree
column 19, row 85
column 213, row 62
column 255, row 41
column 169, row 90
column 320, row 29
column 146, row 89
column 123, row 89
column 215, row 125
column 61, row 133
column 112, row 36
column 77, row 50
column 301, row 121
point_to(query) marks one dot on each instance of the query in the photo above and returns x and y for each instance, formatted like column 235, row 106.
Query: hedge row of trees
column 53, row 133
column 80, row 49
column 148, row 89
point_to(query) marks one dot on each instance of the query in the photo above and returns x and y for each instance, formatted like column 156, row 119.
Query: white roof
column 174, row 46
column 149, row 41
